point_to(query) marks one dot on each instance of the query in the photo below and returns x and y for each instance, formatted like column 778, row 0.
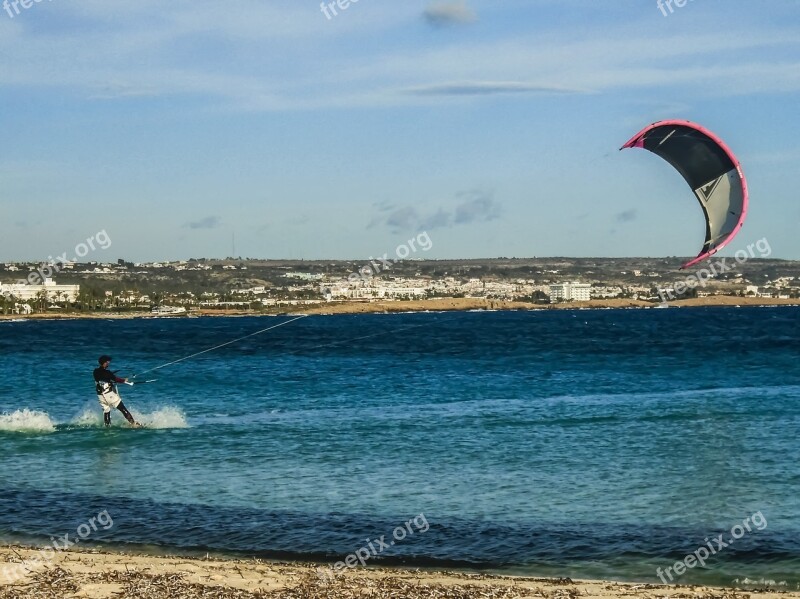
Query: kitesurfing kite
column 710, row 169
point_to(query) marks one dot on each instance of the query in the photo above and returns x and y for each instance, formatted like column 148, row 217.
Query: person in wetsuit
column 106, row 386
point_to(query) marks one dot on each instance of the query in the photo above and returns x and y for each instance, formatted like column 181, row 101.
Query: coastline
column 431, row 305
column 94, row 574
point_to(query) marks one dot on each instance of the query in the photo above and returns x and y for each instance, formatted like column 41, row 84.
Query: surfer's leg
column 121, row 407
column 106, row 408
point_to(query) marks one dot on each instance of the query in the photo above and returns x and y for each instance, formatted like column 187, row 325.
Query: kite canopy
column 710, row 169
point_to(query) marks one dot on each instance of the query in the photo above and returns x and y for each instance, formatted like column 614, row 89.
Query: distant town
column 275, row 286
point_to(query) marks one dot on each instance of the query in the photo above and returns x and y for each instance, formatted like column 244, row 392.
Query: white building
column 52, row 291
column 303, row 276
column 578, row 292
column 606, row 292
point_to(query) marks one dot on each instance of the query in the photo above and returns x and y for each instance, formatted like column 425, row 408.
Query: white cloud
column 284, row 56
column 486, row 88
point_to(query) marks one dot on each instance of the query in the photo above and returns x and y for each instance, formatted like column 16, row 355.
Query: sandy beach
column 431, row 305
column 464, row 304
column 100, row 575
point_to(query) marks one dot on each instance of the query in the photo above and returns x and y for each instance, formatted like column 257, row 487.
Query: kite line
column 210, row 349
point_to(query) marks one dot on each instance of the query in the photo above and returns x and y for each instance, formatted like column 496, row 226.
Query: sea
column 658, row 445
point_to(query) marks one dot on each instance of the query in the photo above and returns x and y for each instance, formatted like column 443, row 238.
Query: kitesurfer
column 106, row 385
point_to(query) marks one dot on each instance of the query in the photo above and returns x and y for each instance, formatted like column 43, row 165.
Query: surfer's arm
column 109, row 377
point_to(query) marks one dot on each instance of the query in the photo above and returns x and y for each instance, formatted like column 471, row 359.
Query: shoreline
column 430, row 305
column 101, row 574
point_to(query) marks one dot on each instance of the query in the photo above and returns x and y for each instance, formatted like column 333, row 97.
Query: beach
column 431, row 305
column 594, row 445
column 101, row 575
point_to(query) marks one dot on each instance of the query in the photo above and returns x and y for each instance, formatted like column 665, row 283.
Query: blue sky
column 494, row 126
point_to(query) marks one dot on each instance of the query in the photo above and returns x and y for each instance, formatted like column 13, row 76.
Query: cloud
column 209, row 222
column 443, row 14
column 117, row 90
column 474, row 206
column 403, row 218
column 215, row 56
column 487, row 88
column 479, row 207
column 438, row 220
column 299, row 220
column 627, row 216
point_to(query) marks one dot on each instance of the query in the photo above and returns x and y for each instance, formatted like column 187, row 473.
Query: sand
column 434, row 305
column 101, row 575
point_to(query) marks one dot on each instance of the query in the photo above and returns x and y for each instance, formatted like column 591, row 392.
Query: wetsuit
column 106, row 387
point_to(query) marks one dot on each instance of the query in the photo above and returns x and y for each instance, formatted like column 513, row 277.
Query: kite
column 711, row 170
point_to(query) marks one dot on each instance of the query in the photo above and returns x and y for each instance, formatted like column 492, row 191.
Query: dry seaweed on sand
column 57, row 583
column 390, row 587
column 304, row 583
column 48, row 584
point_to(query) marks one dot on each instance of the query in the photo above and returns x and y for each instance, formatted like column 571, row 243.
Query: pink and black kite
column 710, row 169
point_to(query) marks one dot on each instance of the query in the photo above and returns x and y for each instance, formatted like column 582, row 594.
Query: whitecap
column 166, row 417
column 90, row 417
column 26, row 421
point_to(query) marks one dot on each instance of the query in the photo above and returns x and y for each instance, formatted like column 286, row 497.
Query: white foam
column 90, row 417
column 166, row 417
column 26, row 421
column 762, row 582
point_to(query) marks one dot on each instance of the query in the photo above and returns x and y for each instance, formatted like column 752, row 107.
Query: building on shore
column 49, row 289
column 568, row 292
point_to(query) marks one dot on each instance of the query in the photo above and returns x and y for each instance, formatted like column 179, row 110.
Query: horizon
column 681, row 259
column 115, row 261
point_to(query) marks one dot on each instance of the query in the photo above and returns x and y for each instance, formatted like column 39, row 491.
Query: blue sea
column 588, row 444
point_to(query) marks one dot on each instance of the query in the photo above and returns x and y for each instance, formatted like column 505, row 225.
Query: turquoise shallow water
column 570, row 443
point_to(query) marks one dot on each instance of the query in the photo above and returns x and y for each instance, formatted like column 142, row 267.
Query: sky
column 276, row 129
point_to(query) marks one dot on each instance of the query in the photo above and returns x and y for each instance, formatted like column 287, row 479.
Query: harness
column 103, row 387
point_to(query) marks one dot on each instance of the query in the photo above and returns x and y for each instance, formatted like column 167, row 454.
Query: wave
column 33, row 421
column 26, row 421
column 166, row 417
column 162, row 418
column 90, row 417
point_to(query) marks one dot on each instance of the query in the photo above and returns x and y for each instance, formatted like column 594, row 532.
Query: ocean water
column 590, row 444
